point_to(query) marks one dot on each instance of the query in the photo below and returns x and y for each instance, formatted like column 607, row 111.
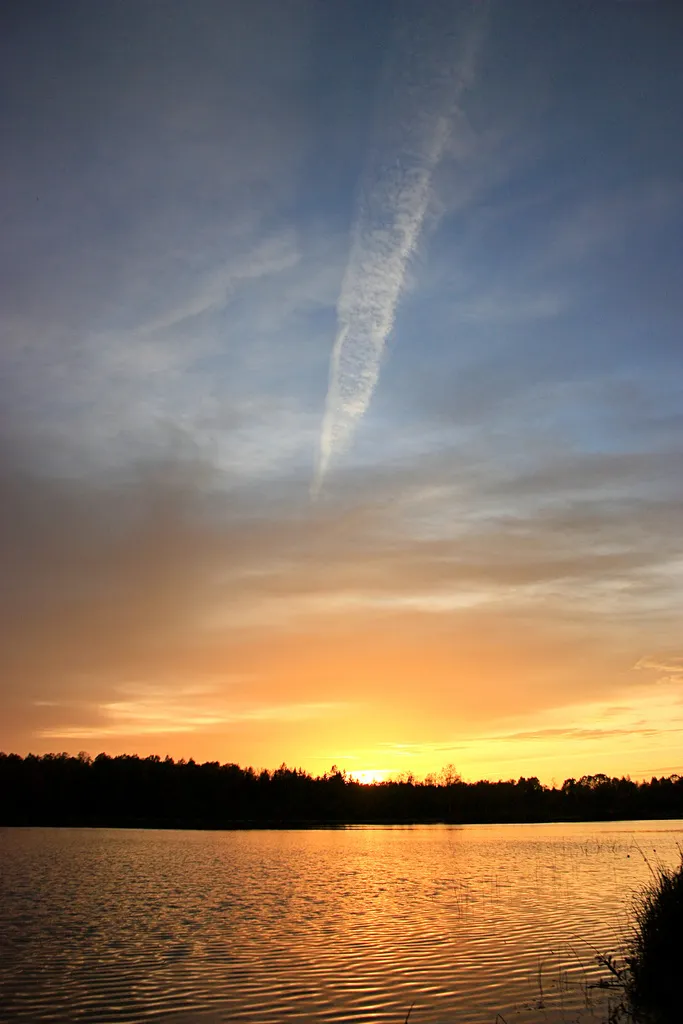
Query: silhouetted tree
column 126, row 790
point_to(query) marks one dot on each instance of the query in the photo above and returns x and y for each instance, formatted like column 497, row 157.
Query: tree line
column 128, row 791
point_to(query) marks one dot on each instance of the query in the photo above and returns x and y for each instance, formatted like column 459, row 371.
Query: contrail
column 424, row 78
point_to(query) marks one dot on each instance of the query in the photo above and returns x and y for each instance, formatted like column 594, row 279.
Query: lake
column 332, row 925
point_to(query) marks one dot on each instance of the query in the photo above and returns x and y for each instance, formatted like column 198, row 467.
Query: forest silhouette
column 131, row 791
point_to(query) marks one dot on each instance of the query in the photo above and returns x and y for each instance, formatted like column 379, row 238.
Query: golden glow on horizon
column 513, row 687
column 369, row 775
column 641, row 735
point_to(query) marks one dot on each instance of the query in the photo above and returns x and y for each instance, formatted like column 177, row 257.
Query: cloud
column 421, row 93
column 144, row 717
column 570, row 732
column 174, row 574
column 670, row 666
column 150, row 186
column 267, row 256
column 588, row 227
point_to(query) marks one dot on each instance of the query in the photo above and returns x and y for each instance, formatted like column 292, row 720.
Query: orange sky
column 162, row 619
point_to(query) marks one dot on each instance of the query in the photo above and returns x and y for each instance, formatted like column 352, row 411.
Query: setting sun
column 369, row 775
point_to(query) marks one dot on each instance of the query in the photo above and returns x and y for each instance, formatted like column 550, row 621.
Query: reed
column 654, row 989
column 649, row 976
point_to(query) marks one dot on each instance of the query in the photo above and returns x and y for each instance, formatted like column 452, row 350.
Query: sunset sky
column 341, row 408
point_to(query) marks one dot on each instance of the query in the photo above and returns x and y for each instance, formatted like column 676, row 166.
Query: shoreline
column 312, row 824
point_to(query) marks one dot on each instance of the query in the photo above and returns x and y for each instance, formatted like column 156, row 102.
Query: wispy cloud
column 650, row 721
column 419, row 102
column 271, row 255
column 670, row 666
column 146, row 717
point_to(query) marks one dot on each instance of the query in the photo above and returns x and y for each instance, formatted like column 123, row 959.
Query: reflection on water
column 340, row 925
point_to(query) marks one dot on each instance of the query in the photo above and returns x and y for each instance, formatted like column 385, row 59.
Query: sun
column 369, row 775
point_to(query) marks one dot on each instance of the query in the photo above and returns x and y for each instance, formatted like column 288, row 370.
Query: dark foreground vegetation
column 656, row 954
column 56, row 789
column 649, row 975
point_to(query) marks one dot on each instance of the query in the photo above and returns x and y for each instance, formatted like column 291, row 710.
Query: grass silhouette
column 650, row 973
column 653, row 986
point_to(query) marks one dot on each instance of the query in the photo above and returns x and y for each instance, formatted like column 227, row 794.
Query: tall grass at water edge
column 651, row 972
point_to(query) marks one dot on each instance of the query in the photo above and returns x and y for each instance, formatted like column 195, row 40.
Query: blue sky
column 341, row 381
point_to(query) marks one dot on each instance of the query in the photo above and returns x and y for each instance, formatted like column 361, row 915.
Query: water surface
column 339, row 925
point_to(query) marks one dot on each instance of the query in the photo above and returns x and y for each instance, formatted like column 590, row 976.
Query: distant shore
column 284, row 824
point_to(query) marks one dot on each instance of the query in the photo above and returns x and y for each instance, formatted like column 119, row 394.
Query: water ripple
column 331, row 926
